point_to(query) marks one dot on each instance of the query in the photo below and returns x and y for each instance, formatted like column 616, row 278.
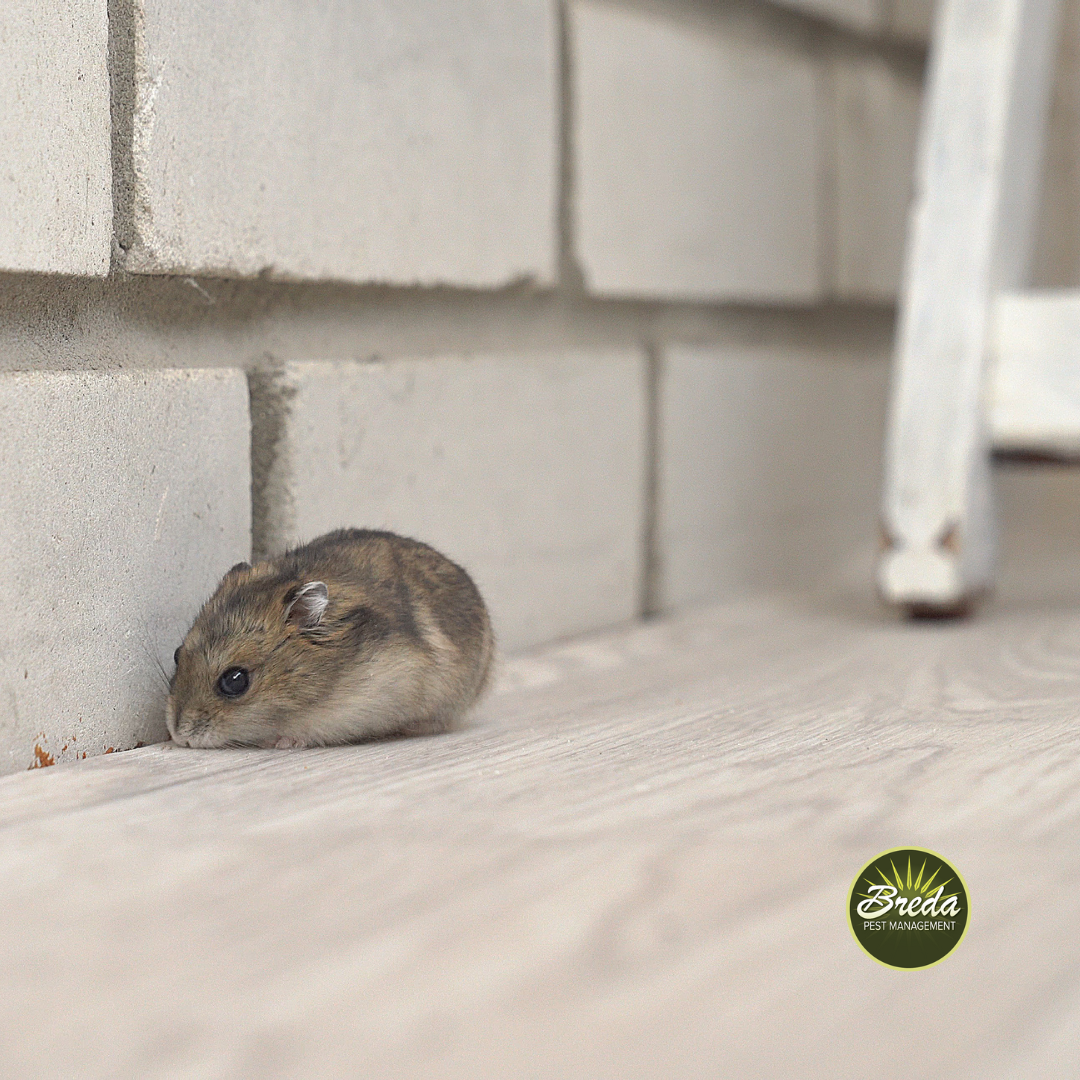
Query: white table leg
column 977, row 186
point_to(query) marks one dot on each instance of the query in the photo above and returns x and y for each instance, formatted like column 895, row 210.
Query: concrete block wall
column 876, row 110
column 697, row 159
column 124, row 494
column 596, row 295
column 1057, row 250
column 896, row 18
column 55, row 165
column 527, row 468
column 336, row 143
column 755, row 493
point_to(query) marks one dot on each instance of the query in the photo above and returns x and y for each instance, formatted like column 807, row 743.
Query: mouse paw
column 287, row 742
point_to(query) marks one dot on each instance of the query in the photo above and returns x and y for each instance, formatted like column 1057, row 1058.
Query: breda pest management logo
column 908, row 908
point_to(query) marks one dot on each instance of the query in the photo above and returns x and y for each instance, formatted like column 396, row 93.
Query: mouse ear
column 305, row 607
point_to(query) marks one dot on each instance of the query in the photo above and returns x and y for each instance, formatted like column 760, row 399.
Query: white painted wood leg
column 977, row 187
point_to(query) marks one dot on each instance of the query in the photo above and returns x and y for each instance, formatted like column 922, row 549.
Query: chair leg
column 977, row 186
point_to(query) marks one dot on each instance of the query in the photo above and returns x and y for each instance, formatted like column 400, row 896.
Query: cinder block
column 912, row 19
column 1056, row 261
column 768, row 469
column 529, row 470
column 55, row 174
column 401, row 141
column 858, row 14
column 877, row 130
column 909, row 19
column 123, row 497
column 696, row 159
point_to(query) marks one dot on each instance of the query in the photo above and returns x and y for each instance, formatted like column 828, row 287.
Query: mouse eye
column 233, row 682
column 176, row 656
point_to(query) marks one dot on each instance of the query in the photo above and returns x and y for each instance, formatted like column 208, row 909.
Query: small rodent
column 355, row 635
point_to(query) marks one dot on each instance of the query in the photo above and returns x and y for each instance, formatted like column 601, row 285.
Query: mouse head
column 251, row 659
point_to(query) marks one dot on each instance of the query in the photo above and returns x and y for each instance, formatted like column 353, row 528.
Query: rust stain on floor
column 42, row 758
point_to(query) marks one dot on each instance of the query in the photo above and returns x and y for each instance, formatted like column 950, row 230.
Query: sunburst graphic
column 909, row 888
column 908, row 908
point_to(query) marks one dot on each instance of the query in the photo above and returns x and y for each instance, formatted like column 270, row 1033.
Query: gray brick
column 401, row 141
column 769, row 469
column 696, row 155
column 857, row 14
column 913, row 19
column 527, row 469
column 55, row 174
column 877, row 130
column 123, row 497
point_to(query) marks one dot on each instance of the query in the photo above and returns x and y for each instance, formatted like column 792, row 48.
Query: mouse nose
column 176, row 722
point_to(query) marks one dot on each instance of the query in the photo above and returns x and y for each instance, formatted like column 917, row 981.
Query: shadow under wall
column 1039, row 518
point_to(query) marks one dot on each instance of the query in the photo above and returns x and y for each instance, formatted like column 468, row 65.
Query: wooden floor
column 635, row 863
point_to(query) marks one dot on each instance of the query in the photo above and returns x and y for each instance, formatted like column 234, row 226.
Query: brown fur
column 403, row 646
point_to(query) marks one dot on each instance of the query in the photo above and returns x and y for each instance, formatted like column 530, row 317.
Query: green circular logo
column 908, row 908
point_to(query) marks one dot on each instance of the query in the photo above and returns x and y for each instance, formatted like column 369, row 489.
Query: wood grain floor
column 634, row 863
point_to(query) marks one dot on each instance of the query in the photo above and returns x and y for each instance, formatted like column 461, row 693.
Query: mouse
column 359, row 634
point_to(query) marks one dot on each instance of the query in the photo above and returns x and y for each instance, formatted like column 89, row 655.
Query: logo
column 908, row 908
